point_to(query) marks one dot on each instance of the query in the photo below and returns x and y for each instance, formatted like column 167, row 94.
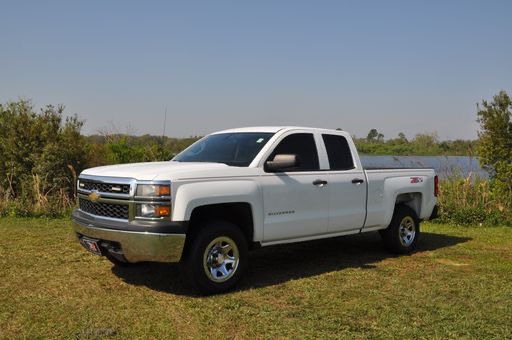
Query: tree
column 402, row 137
column 495, row 141
column 372, row 135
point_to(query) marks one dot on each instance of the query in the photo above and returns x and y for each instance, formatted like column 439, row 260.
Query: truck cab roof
column 273, row 129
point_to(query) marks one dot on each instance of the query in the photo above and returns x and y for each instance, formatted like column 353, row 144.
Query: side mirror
column 282, row 162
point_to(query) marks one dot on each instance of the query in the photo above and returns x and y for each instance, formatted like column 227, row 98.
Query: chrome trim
column 140, row 218
column 138, row 246
column 125, row 199
column 108, row 180
column 105, row 200
column 103, row 194
column 156, row 199
column 156, row 181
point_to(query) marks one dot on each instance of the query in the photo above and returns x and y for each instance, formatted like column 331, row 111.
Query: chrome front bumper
column 136, row 246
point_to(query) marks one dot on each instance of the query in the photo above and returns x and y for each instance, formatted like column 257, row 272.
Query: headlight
column 153, row 190
column 153, row 210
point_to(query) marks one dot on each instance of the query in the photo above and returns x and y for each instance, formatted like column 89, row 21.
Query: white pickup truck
column 239, row 189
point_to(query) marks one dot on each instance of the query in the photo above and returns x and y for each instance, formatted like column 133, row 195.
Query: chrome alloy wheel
column 220, row 259
column 407, row 231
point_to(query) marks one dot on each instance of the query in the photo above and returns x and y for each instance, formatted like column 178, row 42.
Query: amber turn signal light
column 164, row 190
column 162, row 210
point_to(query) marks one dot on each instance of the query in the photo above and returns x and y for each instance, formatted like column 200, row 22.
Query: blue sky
column 410, row 66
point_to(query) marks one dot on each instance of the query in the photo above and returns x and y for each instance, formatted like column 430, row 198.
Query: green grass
column 458, row 284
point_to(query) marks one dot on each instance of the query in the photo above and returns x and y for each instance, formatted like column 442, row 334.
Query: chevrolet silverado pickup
column 240, row 189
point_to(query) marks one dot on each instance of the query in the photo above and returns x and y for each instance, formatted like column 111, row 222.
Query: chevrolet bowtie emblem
column 94, row 196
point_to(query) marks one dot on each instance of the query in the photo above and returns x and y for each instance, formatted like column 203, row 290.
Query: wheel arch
column 411, row 199
column 237, row 213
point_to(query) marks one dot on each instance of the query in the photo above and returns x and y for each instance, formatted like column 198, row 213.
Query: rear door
column 294, row 206
column 347, row 189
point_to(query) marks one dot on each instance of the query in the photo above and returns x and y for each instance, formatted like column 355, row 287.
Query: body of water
column 444, row 165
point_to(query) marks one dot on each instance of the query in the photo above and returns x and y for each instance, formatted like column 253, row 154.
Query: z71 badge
column 416, row 180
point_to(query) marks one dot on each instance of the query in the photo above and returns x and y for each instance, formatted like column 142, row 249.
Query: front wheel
column 403, row 232
column 216, row 259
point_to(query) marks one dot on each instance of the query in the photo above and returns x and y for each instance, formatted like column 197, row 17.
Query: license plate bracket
column 91, row 245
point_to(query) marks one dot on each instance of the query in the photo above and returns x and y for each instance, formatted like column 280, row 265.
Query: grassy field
column 458, row 284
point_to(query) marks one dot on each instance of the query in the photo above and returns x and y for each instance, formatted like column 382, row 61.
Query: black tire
column 402, row 234
column 216, row 259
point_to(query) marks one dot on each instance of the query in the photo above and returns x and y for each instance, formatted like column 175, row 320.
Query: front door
column 296, row 204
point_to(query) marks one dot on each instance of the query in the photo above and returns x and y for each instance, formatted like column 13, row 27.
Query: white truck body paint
column 286, row 206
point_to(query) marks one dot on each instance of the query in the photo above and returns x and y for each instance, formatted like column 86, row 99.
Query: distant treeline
column 423, row 144
column 108, row 149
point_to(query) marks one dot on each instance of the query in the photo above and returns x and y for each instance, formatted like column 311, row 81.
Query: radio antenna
column 165, row 120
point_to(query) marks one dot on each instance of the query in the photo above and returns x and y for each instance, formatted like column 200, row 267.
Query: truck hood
column 169, row 170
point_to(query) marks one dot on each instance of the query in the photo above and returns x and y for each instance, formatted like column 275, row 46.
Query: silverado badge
column 94, row 196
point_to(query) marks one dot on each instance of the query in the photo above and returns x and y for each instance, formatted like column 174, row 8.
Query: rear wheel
column 403, row 232
column 216, row 259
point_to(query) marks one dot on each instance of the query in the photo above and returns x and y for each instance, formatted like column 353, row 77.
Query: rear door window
column 338, row 152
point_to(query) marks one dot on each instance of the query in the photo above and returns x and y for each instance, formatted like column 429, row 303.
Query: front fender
column 189, row 196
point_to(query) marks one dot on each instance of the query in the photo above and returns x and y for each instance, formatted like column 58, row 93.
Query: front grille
column 105, row 187
column 104, row 209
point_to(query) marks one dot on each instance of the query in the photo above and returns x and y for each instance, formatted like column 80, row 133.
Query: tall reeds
column 34, row 202
column 470, row 200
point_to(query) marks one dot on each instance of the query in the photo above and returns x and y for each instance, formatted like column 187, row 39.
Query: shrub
column 40, row 155
column 471, row 200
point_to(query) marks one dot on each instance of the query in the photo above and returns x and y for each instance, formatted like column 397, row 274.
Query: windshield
column 236, row 149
